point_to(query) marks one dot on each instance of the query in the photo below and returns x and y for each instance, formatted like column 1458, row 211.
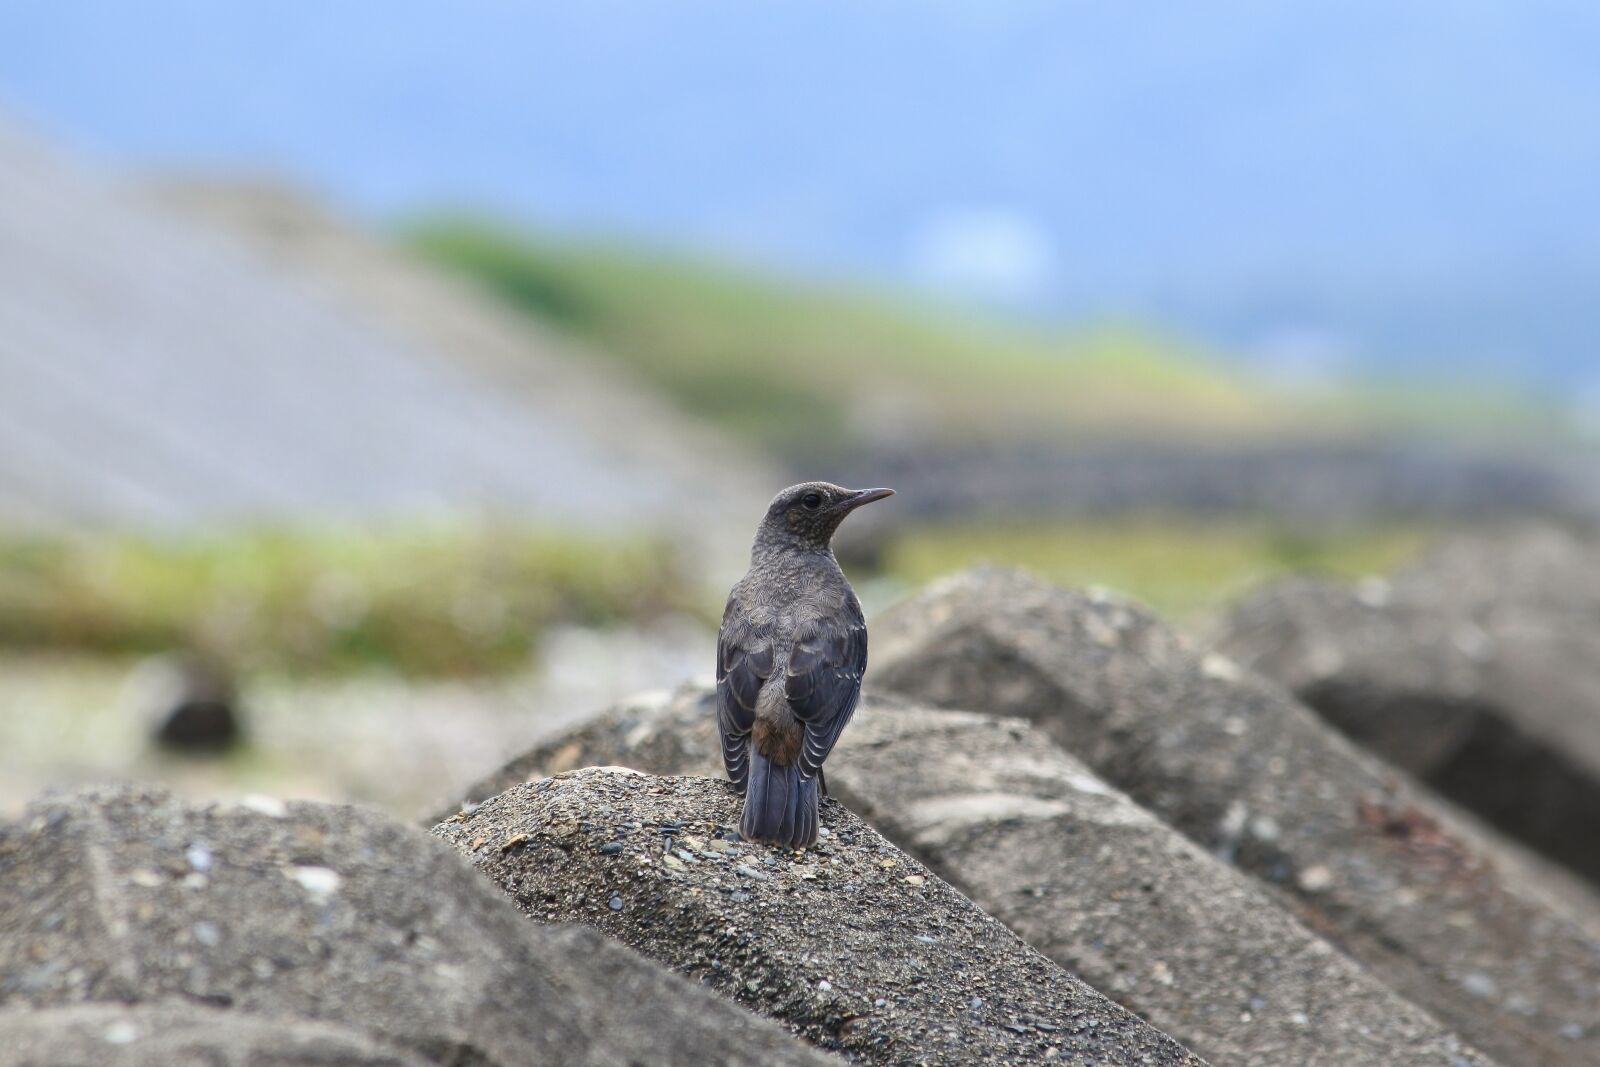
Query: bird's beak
column 865, row 496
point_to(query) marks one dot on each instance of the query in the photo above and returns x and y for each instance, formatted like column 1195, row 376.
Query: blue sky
column 1389, row 184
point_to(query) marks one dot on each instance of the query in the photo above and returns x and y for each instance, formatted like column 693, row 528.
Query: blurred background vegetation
column 444, row 601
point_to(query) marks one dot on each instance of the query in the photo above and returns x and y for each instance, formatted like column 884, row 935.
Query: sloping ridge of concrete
column 1439, row 907
column 337, row 917
column 1072, row 865
column 1476, row 668
column 852, row 944
column 183, row 1034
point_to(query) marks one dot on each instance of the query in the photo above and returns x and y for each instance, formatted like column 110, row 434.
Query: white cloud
column 989, row 253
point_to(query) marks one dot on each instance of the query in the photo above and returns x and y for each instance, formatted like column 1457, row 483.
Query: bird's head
column 805, row 515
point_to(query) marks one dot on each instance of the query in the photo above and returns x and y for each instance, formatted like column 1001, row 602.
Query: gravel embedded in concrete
column 1077, row 869
column 852, row 944
column 336, row 915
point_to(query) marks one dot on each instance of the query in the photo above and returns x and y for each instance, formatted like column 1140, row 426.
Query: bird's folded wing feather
column 744, row 663
column 823, row 680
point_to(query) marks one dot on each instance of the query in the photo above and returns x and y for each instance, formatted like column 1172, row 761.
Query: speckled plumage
column 790, row 657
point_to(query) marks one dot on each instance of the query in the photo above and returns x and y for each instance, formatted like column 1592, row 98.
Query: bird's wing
column 823, row 680
column 744, row 663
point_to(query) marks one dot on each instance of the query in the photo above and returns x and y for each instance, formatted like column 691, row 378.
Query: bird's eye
column 812, row 500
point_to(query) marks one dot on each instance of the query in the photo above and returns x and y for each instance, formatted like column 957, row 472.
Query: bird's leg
column 822, row 781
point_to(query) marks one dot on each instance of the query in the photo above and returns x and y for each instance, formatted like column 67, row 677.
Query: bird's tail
column 779, row 804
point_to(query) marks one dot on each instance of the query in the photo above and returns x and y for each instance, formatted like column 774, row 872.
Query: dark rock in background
column 853, row 944
column 183, row 1035
column 1477, row 669
column 1433, row 904
column 189, row 703
column 331, row 914
column 1077, row 869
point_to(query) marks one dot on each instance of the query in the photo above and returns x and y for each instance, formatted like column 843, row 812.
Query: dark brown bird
column 790, row 657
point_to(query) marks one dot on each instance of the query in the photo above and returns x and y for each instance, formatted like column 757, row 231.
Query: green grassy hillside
column 789, row 363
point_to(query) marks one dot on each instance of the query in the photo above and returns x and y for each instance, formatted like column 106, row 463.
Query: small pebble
column 1316, row 878
column 926, row 940
column 611, row 848
column 121, row 1032
column 320, row 882
column 273, row 808
column 207, row 934
column 751, row 872
column 199, row 858
column 615, row 903
column 739, row 896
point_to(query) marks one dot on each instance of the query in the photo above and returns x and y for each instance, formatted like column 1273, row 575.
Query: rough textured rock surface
column 330, row 913
column 853, row 944
column 1477, row 668
column 1391, row 874
column 182, row 1035
column 1082, row 873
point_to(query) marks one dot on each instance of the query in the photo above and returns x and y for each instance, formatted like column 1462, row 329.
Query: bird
column 790, row 655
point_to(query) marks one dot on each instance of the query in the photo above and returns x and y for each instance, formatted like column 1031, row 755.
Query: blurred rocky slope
column 157, row 370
